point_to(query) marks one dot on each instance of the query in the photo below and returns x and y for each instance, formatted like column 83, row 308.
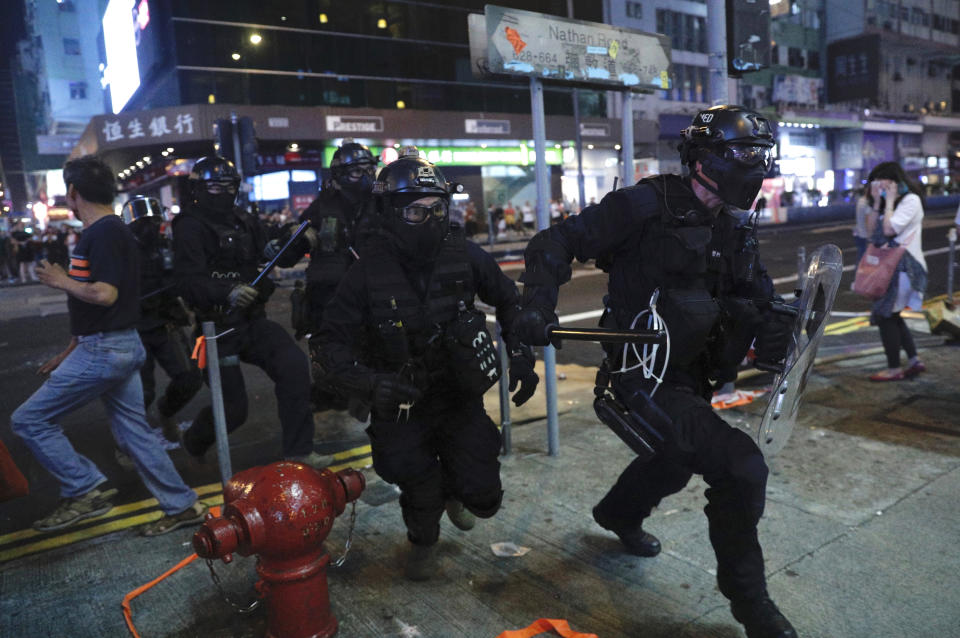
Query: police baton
column 153, row 293
column 273, row 262
column 557, row 333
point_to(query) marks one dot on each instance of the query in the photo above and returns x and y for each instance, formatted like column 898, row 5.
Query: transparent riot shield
column 820, row 285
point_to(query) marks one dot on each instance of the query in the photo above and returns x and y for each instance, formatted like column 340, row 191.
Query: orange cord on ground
column 562, row 627
column 127, row 613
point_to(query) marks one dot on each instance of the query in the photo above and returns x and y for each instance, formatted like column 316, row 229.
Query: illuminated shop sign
column 521, row 155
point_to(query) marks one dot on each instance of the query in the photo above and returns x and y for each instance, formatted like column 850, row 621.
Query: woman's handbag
column 876, row 269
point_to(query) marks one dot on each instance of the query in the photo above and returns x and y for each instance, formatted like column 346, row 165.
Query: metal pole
column 216, row 394
column 543, row 221
column 951, row 262
column 717, row 45
column 504, row 392
column 491, row 236
column 626, row 132
column 801, row 266
column 576, row 123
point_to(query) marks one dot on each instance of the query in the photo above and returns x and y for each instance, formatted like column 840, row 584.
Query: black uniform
column 339, row 225
column 162, row 317
column 658, row 235
column 213, row 252
column 392, row 315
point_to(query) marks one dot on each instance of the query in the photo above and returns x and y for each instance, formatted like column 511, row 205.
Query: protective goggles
column 420, row 210
column 749, row 154
column 355, row 172
column 218, row 188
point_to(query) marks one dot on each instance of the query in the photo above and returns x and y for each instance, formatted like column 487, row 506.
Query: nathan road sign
column 560, row 49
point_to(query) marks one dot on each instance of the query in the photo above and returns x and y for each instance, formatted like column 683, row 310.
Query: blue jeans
column 106, row 366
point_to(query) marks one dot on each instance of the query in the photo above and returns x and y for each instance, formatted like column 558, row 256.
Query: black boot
column 761, row 618
column 636, row 540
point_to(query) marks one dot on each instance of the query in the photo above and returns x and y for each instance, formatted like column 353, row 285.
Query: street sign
column 574, row 51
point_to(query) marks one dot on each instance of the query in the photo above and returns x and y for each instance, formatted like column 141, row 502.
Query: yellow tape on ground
column 90, row 532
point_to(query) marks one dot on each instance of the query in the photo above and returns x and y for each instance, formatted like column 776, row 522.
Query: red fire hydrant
column 283, row 512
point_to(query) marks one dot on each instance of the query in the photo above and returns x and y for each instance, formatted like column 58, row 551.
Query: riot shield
column 820, row 285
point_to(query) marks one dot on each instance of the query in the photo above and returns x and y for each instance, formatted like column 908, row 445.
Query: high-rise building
column 311, row 72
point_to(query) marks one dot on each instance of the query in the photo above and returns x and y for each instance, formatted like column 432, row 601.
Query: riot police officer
column 338, row 221
column 402, row 337
column 217, row 251
column 678, row 253
column 162, row 317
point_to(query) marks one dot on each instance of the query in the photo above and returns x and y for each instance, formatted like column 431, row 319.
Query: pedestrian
column 529, row 217
column 162, row 318
column 402, row 336
column 101, row 361
column 896, row 218
column 5, row 274
column 860, row 234
column 217, row 250
column 25, row 253
column 677, row 253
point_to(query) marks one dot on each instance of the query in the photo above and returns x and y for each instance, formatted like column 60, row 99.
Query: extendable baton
column 273, row 262
column 604, row 335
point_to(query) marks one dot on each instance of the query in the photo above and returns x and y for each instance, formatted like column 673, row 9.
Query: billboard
column 120, row 29
column 853, row 69
column 748, row 36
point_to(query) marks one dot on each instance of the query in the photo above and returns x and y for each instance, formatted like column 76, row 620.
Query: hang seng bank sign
column 157, row 126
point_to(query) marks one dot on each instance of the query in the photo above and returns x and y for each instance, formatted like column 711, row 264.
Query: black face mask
column 732, row 181
column 221, row 200
column 146, row 230
column 419, row 241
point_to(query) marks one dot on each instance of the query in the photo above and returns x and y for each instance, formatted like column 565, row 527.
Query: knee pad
column 483, row 506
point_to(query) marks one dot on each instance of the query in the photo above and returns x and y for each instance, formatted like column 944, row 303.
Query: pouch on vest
column 690, row 314
column 299, row 311
column 472, row 355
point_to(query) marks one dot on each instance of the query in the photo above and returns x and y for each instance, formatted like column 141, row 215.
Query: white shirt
column 907, row 220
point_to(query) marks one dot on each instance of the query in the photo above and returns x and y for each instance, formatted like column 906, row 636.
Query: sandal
column 193, row 515
column 73, row 510
column 914, row 369
column 884, row 376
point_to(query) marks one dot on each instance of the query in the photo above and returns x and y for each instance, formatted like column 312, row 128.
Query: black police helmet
column 411, row 174
column 350, row 153
column 214, row 182
column 723, row 125
column 141, row 208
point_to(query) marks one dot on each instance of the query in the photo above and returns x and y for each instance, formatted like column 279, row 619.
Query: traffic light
column 748, row 36
column 223, row 143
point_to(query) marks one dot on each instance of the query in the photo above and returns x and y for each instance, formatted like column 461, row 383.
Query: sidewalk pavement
column 859, row 535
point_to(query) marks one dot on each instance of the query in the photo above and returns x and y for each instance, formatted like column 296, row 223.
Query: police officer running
column 217, row 250
column 402, row 336
column 162, row 317
column 678, row 254
column 338, row 221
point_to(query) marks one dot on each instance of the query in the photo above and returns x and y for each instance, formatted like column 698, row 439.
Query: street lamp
column 255, row 38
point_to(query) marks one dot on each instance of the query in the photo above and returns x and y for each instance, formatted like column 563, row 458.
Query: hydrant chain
column 240, row 609
column 346, row 547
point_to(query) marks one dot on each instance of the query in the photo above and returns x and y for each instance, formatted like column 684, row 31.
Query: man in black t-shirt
column 102, row 361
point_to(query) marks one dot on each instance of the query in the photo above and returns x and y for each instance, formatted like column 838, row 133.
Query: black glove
column 774, row 338
column 242, row 295
column 389, row 391
column 272, row 249
column 521, row 371
column 530, row 326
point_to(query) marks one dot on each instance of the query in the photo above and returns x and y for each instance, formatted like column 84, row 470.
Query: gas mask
column 736, row 174
column 418, row 223
column 356, row 181
column 218, row 196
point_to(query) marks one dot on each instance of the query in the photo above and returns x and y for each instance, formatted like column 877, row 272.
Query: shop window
column 78, row 90
column 794, row 57
column 813, row 60
column 66, row 6
column 634, row 10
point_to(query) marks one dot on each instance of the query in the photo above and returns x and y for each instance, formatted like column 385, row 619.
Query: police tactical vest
column 405, row 326
column 337, row 223
column 236, row 256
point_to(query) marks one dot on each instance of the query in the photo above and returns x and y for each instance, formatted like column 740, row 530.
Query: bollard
column 216, row 395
